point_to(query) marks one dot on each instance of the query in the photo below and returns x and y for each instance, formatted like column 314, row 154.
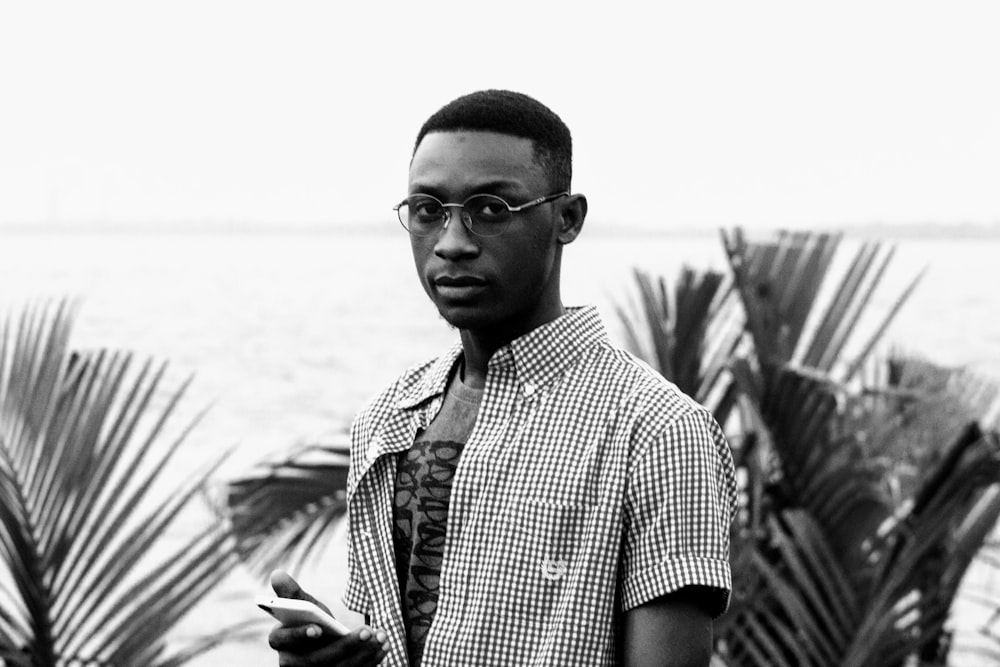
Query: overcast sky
column 694, row 113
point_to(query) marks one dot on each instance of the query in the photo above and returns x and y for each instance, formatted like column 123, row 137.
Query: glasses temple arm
column 536, row 202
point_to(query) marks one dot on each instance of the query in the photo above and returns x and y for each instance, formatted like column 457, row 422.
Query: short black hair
column 516, row 114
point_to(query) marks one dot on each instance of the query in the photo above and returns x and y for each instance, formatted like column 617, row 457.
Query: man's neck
column 478, row 348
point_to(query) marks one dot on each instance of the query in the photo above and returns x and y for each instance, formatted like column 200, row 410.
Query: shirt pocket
column 540, row 567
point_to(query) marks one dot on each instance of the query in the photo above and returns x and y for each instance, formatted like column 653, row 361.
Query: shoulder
column 638, row 388
column 655, row 411
column 389, row 397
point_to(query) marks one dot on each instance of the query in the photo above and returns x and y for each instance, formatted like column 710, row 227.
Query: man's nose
column 455, row 239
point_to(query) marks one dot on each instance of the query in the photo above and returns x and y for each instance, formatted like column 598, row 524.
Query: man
column 535, row 496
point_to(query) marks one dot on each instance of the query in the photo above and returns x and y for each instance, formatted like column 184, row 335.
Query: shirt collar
column 538, row 357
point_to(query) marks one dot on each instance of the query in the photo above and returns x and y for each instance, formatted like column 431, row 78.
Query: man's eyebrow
column 499, row 184
column 492, row 186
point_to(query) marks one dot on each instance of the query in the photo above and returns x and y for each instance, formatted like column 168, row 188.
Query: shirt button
column 528, row 388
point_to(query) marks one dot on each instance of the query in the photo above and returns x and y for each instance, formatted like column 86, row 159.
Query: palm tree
column 854, row 533
column 86, row 577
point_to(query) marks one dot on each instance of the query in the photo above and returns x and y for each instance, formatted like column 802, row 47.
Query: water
column 288, row 334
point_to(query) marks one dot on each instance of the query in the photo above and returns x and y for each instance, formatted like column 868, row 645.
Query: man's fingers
column 283, row 637
column 297, row 646
column 299, row 638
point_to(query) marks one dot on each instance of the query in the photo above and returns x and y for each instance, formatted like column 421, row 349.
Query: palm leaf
column 81, row 452
column 802, row 610
column 842, row 313
column 688, row 335
column 803, row 604
column 289, row 508
column 806, row 607
column 779, row 283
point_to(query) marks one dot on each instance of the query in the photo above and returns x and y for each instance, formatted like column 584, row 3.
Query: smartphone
column 301, row 612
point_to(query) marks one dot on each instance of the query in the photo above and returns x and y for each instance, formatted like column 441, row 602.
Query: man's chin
column 463, row 318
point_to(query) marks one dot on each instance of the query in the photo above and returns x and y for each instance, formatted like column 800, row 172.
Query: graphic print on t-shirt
column 423, row 485
column 424, row 475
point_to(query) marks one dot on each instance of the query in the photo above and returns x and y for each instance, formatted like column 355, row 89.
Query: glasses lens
column 422, row 215
column 489, row 214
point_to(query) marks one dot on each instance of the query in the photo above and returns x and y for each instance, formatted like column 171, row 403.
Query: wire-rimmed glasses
column 483, row 215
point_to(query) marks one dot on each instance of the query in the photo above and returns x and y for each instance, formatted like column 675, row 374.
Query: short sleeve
column 679, row 506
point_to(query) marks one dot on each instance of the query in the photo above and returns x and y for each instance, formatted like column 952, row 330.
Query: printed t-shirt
column 424, row 475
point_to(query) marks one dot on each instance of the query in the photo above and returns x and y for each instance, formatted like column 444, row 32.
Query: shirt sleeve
column 679, row 505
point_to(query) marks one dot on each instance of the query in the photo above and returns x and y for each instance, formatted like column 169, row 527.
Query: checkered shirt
column 589, row 485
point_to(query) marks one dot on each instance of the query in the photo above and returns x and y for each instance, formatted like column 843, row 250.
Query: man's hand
column 309, row 645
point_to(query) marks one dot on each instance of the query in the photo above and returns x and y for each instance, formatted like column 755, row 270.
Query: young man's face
column 501, row 285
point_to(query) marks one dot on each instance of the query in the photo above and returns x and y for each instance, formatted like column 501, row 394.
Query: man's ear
column 574, row 210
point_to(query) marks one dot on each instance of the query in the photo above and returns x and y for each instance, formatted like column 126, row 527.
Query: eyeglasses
column 483, row 215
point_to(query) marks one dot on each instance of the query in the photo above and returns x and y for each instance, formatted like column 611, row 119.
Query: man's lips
column 458, row 288
column 459, row 281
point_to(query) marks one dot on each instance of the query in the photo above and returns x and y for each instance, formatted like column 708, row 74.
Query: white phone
column 301, row 612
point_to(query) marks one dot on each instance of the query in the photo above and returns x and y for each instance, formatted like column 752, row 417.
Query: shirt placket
column 377, row 475
column 468, row 495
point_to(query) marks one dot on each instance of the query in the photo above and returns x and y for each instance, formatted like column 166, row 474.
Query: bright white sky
column 692, row 113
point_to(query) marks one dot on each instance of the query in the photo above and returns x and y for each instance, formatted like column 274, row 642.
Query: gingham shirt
column 588, row 486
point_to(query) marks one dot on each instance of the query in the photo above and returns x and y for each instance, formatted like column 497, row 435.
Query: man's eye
column 490, row 210
column 426, row 209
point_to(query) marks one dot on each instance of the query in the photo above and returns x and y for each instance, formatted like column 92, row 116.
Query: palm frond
column 687, row 334
column 81, row 451
column 807, row 608
column 803, row 609
column 780, row 283
column 286, row 511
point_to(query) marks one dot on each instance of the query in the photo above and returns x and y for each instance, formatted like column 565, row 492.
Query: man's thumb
column 286, row 587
